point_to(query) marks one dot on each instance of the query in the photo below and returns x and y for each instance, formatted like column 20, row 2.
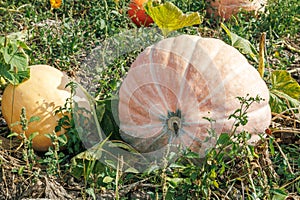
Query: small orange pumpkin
column 138, row 14
column 227, row 8
column 174, row 85
column 41, row 95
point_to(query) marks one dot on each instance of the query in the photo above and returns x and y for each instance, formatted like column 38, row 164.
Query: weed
column 27, row 152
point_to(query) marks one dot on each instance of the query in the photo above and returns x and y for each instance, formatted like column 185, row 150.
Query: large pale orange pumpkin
column 227, row 8
column 41, row 95
column 174, row 85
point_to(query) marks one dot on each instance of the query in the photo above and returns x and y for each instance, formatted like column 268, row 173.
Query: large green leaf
column 285, row 91
column 170, row 18
column 107, row 114
column 13, row 59
column 284, row 82
column 14, row 77
column 243, row 45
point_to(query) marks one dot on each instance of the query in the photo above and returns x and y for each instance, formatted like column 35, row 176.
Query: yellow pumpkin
column 174, row 85
column 227, row 8
column 41, row 95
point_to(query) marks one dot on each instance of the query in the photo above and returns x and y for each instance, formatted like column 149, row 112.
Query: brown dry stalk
column 284, row 157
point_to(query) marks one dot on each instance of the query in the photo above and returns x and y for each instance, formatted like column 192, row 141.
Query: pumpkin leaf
column 15, row 78
column 280, row 102
column 243, row 45
column 13, row 59
column 123, row 145
column 107, row 115
column 283, row 81
column 170, row 18
column 284, row 92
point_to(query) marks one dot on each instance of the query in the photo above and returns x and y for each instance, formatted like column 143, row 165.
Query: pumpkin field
column 150, row 99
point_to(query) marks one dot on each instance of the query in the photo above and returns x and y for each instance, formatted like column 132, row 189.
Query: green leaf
column 14, row 57
column 33, row 119
column 152, row 168
column 192, row 155
column 107, row 114
column 279, row 194
column 215, row 183
column 15, row 78
column 170, row 18
column 213, row 174
column 175, row 181
column 223, row 139
column 131, row 170
column 243, row 45
column 21, row 170
column 32, row 135
column 284, row 82
column 62, row 139
column 108, row 179
column 91, row 192
column 122, row 145
column 280, row 102
column 179, row 166
column 284, row 92
column 13, row 60
column 21, row 36
column 13, row 134
column 23, row 45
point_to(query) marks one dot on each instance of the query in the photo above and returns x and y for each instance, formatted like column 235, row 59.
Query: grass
column 64, row 37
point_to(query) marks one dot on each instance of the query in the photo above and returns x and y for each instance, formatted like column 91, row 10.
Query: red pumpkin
column 175, row 84
column 227, row 8
column 138, row 14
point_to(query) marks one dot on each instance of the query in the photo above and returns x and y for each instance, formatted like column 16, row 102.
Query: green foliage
column 28, row 153
column 66, row 122
column 284, row 92
column 13, row 59
column 53, row 157
column 107, row 114
column 170, row 18
column 243, row 45
column 240, row 114
column 284, row 89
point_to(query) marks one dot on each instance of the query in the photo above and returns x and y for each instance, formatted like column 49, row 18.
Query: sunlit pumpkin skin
column 40, row 95
column 173, row 85
column 138, row 14
column 227, row 8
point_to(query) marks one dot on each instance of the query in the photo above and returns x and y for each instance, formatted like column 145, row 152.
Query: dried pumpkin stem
column 174, row 124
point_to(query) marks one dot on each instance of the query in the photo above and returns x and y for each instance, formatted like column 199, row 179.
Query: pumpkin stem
column 176, row 128
column 174, row 124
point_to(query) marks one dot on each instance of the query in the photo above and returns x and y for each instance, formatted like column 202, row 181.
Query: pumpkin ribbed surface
column 41, row 95
column 226, row 8
column 175, row 84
